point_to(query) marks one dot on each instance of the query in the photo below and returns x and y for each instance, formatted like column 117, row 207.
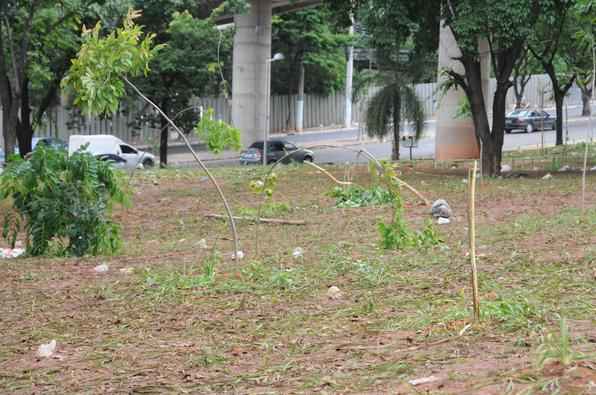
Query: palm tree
column 395, row 101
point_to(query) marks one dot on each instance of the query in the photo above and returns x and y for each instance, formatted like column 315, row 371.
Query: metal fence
column 319, row 112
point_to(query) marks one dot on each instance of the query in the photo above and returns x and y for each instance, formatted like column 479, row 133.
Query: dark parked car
column 276, row 149
column 529, row 121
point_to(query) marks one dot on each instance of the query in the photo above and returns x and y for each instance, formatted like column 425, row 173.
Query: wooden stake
column 472, row 237
column 584, row 179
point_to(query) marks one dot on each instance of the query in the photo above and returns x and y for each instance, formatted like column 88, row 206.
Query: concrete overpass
column 252, row 51
column 455, row 138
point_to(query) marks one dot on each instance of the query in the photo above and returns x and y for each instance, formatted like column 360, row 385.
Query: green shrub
column 356, row 196
column 62, row 202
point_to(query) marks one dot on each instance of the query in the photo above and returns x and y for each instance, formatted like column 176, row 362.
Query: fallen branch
column 328, row 174
column 256, row 219
column 411, row 188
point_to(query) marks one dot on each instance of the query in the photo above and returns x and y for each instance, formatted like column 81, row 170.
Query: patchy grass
column 181, row 318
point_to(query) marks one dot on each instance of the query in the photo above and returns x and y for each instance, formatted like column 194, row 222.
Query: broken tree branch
column 328, row 174
column 200, row 162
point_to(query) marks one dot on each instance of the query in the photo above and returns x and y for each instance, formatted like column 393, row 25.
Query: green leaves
column 95, row 76
column 64, row 203
column 217, row 134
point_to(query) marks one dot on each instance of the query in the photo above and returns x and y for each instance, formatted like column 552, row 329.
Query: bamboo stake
column 472, row 237
column 584, row 179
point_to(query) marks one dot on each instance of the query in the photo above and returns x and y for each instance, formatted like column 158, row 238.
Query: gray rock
column 440, row 208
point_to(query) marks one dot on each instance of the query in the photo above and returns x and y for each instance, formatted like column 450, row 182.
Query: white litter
column 238, row 254
column 506, row 168
column 103, row 268
column 547, row 176
column 298, row 253
column 443, row 221
column 202, row 244
column 424, row 380
column 11, row 252
column 47, row 350
column 334, row 293
column 127, row 270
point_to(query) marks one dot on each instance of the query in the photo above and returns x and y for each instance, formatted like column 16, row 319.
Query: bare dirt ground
column 184, row 319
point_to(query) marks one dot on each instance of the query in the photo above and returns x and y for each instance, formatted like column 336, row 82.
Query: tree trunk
column 559, row 97
column 396, row 124
column 586, row 101
column 10, row 128
column 24, row 127
column 559, row 93
column 498, row 128
column 163, row 137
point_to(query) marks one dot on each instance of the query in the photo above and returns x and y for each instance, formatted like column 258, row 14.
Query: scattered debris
column 506, row 168
column 424, row 380
column 11, row 252
column 443, row 221
column 517, row 174
column 298, row 253
column 440, row 208
column 565, row 168
column 47, row 350
column 202, row 244
column 334, row 293
column 103, row 268
column 547, row 176
column 127, row 270
column 155, row 182
column 238, row 254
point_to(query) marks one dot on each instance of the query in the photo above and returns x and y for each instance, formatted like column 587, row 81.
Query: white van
column 111, row 148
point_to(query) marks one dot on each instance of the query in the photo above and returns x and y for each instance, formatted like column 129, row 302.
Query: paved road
column 578, row 127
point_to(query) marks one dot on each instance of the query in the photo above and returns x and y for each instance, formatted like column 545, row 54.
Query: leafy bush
column 62, row 202
column 217, row 134
column 356, row 196
column 396, row 235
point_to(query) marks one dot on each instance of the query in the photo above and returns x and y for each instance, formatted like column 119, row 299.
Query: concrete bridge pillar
column 252, row 49
column 455, row 137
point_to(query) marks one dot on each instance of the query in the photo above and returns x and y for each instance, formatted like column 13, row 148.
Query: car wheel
column 308, row 158
column 508, row 131
column 529, row 128
column 147, row 163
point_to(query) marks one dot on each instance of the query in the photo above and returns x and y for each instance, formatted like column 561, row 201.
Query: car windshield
column 518, row 113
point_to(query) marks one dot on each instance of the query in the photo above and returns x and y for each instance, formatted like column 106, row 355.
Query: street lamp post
column 276, row 57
